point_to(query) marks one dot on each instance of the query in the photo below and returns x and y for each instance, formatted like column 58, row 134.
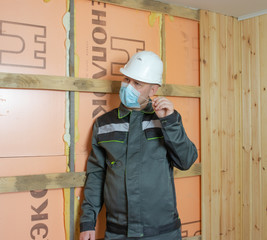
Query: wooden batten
column 45, row 82
column 64, row 180
column 195, row 170
column 164, row 8
column 42, row 181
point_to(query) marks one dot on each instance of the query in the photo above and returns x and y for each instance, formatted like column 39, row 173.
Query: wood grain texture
column 195, row 170
column 157, row 6
column 263, row 109
column 42, row 181
column 45, row 82
column 254, row 82
column 220, row 121
column 205, row 124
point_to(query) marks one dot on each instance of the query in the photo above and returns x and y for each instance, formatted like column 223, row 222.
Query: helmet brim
column 138, row 78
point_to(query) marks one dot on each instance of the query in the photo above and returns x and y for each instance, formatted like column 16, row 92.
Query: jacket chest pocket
column 155, row 146
column 153, row 134
column 112, row 137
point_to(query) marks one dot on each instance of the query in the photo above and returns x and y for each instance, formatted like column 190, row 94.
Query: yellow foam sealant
column 66, row 191
column 171, row 18
column 153, row 17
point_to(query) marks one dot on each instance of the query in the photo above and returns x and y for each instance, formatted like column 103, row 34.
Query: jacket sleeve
column 93, row 189
column 181, row 151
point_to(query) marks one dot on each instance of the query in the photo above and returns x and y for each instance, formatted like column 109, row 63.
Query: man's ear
column 153, row 90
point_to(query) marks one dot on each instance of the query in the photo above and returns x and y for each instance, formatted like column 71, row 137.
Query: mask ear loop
column 146, row 102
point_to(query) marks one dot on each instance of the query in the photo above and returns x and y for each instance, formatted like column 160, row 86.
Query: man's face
column 146, row 90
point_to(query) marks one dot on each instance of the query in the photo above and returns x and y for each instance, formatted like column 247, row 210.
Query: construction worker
column 134, row 150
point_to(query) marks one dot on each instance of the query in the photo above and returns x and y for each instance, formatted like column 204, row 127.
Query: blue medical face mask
column 129, row 96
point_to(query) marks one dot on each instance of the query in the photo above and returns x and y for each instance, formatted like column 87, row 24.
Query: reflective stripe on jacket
column 130, row 168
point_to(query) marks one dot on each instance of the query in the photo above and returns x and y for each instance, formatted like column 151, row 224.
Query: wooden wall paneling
column 220, row 126
column 205, row 125
column 263, row 93
column 230, row 177
column 215, row 124
column 237, row 163
column 246, row 116
column 256, row 129
column 224, row 95
column 251, row 129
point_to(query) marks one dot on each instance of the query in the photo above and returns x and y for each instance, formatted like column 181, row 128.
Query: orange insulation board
column 32, row 41
column 33, row 122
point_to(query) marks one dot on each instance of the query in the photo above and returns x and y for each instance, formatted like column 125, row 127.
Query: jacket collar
column 123, row 111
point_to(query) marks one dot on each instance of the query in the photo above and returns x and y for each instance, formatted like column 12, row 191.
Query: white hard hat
column 145, row 67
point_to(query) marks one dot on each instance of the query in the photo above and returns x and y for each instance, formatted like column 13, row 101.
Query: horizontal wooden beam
column 193, row 238
column 46, row 82
column 64, row 180
column 157, row 6
column 43, row 181
column 179, row 91
column 195, row 170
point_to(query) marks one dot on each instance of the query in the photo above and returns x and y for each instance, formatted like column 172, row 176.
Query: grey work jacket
column 130, row 169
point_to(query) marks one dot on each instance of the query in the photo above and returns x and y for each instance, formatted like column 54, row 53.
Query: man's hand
column 87, row 235
column 162, row 106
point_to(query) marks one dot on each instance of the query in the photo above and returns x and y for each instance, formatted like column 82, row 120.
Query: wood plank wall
column 220, row 126
column 233, row 125
column 254, row 95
